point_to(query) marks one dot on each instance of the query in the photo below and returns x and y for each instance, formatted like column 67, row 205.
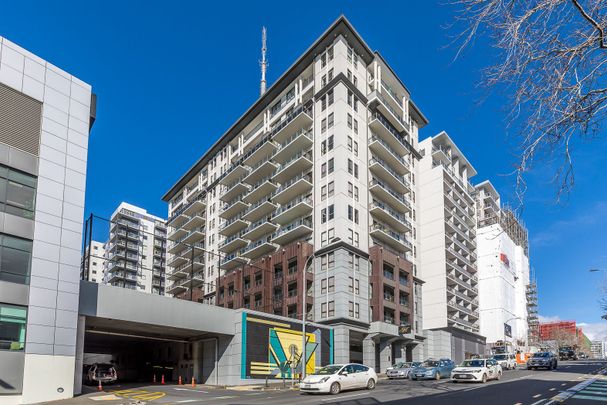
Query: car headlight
column 324, row 379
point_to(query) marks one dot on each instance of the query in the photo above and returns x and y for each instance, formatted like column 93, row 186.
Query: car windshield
column 416, row 364
column 430, row 363
column 500, row 357
column 543, row 354
column 104, row 368
column 473, row 363
column 328, row 370
column 399, row 365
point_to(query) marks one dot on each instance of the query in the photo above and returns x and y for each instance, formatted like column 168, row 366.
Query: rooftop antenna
column 263, row 62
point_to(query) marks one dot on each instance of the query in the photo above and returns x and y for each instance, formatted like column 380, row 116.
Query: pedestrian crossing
column 596, row 391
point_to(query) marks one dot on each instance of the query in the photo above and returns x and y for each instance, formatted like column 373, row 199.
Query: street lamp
column 303, row 318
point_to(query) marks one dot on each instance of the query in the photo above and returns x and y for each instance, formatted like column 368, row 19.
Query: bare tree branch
column 593, row 22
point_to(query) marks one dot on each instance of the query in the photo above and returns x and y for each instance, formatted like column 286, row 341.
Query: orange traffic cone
column 162, row 380
column 193, row 383
column 180, row 382
column 99, row 387
column 154, row 381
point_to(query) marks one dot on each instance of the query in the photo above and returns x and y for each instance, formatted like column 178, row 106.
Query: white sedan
column 337, row 377
column 477, row 370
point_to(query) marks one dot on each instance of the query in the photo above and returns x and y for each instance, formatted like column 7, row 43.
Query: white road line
column 538, row 402
column 535, row 396
column 187, row 389
column 188, row 400
column 551, row 389
column 344, row 397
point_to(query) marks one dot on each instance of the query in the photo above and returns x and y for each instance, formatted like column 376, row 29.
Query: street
column 518, row 387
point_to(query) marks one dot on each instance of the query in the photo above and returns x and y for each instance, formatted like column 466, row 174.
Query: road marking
column 346, row 396
column 187, row 389
column 535, row 396
column 538, row 402
column 190, row 400
column 109, row 397
column 577, row 396
column 562, row 385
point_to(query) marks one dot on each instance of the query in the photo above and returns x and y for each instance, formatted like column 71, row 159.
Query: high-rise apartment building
column 93, row 269
column 448, row 250
column 310, row 197
column 135, row 253
column 45, row 118
column 503, row 270
column 598, row 349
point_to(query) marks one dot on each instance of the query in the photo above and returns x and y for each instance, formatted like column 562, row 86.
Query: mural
column 273, row 348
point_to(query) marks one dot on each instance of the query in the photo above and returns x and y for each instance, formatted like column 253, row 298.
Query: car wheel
column 371, row 384
column 437, row 376
column 453, row 381
column 484, row 380
column 335, row 388
column 412, row 378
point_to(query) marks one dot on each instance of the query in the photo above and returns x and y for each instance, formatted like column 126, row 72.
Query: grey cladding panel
column 20, row 120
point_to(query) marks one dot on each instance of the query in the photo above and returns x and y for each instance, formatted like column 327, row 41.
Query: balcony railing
column 397, row 215
column 291, row 204
column 284, row 186
column 377, row 138
column 300, row 222
column 386, row 166
column 394, row 194
column 378, row 226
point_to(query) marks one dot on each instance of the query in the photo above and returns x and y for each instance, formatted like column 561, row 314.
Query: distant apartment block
column 135, row 253
column 503, row 270
column 598, row 349
column 310, row 197
column 45, row 118
column 93, row 269
column 448, row 255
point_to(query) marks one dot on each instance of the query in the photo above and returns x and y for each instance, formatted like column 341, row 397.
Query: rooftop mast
column 263, row 62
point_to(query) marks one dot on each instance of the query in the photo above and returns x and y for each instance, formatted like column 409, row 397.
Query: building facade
column 45, row 118
column 135, row 253
column 307, row 205
column 93, row 269
column 503, row 271
column 598, row 349
column 448, row 255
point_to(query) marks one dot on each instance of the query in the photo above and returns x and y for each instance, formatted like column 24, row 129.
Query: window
column 327, row 214
column 350, row 212
column 323, row 310
column 331, row 187
column 12, row 327
column 331, row 308
column 355, row 148
column 349, row 74
column 323, row 125
column 327, row 145
column 350, row 190
column 355, row 81
column 323, row 193
column 350, row 98
column 330, row 97
column 350, row 236
column 331, row 260
column 349, row 120
column 349, row 54
column 323, row 238
column 323, row 170
column 330, row 53
column 356, row 126
column 355, row 61
column 330, row 120
column 351, row 309
column 15, row 259
column 353, row 285
column 323, row 60
column 356, row 239
column 323, row 80
column 323, row 286
column 323, row 215
column 331, row 164
column 327, row 285
column 350, row 143
column 330, row 74
column 17, row 192
column 352, row 168
column 331, row 233
column 323, row 104
column 331, row 212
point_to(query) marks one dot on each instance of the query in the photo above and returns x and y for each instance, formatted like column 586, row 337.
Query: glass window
column 15, row 259
column 17, row 192
column 12, row 327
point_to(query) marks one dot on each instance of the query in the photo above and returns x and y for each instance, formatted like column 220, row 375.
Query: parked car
column 506, row 360
column 477, row 370
column 567, row 353
column 402, row 369
column 338, row 377
column 433, row 369
column 104, row 372
column 542, row 360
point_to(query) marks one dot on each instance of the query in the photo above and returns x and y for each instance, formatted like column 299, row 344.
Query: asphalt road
column 519, row 387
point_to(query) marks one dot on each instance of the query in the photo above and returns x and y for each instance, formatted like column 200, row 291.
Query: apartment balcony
column 300, row 162
column 115, row 265
column 263, row 169
column 177, row 260
column 194, row 207
column 198, row 249
column 299, row 185
column 260, row 152
column 452, row 280
column 459, row 269
column 383, row 171
column 387, row 214
column 293, row 231
column 186, row 269
column 260, row 228
column 124, row 255
column 385, row 152
column 177, row 234
column 300, row 140
column 454, row 306
column 297, row 208
column 462, row 323
column 453, row 253
column 234, row 190
column 123, row 245
column 441, row 153
column 176, row 246
column 463, row 233
column 260, row 209
column 300, row 117
column 194, row 222
column 121, row 234
column 233, row 225
column 259, row 248
column 175, row 288
column 382, row 191
column 263, row 188
column 234, row 172
column 377, row 100
column 193, row 281
column 195, row 235
column 118, row 276
column 177, row 219
column 388, row 236
column 234, row 207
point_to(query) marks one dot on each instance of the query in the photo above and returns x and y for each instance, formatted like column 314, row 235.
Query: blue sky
column 173, row 77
